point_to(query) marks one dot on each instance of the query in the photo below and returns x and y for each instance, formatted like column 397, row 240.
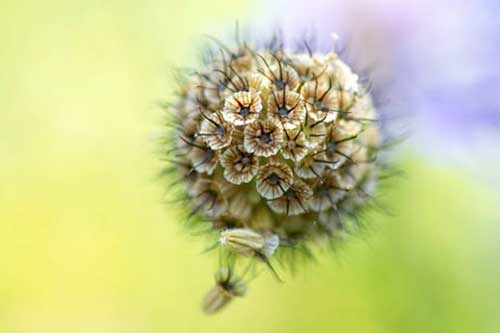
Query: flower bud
column 226, row 288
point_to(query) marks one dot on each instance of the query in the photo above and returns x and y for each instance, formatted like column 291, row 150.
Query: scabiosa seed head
column 275, row 148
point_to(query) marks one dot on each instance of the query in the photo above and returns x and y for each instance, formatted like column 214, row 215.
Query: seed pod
column 282, row 76
column 321, row 97
column 242, row 108
column 273, row 180
column 215, row 131
column 239, row 166
column 287, row 107
column 264, row 138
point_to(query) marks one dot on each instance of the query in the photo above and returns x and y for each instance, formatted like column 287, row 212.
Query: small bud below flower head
column 226, row 288
column 248, row 242
column 216, row 299
column 243, row 241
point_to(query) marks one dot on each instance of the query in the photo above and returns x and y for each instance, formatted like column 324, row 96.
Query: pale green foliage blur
column 86, row 244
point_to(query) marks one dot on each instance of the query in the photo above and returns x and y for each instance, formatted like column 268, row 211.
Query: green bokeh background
column 86, row 244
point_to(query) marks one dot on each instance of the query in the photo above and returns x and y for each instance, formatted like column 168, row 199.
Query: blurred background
column 87, row 245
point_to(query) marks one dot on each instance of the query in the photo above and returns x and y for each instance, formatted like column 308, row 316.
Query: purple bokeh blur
column 441, row 58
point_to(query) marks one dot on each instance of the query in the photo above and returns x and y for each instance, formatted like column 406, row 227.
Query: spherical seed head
column 277, row 142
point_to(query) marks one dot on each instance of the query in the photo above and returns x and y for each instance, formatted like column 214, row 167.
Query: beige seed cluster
column 273, row 149
column 278, row 142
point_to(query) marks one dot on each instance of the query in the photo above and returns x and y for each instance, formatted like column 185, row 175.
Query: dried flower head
column 275, row 148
